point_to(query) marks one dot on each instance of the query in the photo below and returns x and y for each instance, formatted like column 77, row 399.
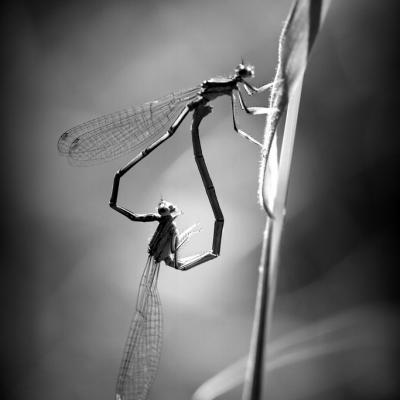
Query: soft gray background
column 71, row 266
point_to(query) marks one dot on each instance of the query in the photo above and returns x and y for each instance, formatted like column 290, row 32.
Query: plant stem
column 268, row 269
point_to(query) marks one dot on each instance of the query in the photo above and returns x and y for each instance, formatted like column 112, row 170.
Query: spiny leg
column 200, row 112
column 254, row 110
column 250, row 89
column 235, row 126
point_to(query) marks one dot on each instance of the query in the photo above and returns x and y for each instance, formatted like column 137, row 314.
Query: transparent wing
column 143, row 347
column 185, row 235
column 113, row 135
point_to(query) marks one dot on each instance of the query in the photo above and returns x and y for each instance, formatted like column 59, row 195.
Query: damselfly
column 142, row 349
column 145, row 127
column 143, row 346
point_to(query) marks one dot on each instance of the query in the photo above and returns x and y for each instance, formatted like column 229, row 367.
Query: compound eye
column 162, row 210
column 239, row 69
column 250, row 71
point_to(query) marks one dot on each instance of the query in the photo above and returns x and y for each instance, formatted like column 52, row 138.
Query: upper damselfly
column 145, row 127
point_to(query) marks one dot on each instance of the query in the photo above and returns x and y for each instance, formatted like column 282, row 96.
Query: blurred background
column 71, row 267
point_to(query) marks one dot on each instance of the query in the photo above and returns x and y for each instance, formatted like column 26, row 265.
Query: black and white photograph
column 199, row 200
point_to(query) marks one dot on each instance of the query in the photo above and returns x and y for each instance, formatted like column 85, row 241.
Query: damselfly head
column 244, row 71
column 165, row 208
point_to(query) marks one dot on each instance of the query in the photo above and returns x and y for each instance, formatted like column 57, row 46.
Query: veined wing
column 113, row 135
column 185, row 235
column 143, row 346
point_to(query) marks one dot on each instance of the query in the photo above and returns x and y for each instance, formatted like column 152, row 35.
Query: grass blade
column 295, row 43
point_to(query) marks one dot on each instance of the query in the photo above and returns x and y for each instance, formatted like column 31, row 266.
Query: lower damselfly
column 142, row 350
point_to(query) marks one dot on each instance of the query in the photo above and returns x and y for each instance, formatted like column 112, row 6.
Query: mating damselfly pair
column 143, row 129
